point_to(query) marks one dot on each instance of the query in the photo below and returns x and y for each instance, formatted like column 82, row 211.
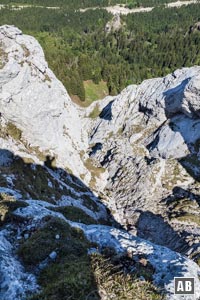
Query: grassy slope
column 95, row 91
column 76, row 275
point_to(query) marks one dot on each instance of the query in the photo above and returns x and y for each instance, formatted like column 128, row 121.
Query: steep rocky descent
column 148, row 139
column 56, row 194
column 166, row 263
column 35, row 189
column 36, row 103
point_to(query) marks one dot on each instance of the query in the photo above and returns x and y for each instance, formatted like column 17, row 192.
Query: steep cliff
column 60, row 170
column 37, row 104
column 148, row 140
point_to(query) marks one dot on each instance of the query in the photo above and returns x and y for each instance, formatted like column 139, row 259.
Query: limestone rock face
column 34, row 101
column 167, row 263
column 148, row 139
column 141, row 155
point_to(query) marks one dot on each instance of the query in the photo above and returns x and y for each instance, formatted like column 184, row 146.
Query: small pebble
column 53, row 255
column 26, row 236
column 142, row 278
column 92, row 251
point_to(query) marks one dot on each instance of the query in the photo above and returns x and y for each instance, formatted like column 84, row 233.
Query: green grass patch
column 116, row 280
column 183, row 204
column 70, row 275
column 95, row 91
column 8, row 204
column 3, row 57
column 71, row 243
column 10, row 130
column 75, row 275
column 95, row 171
column 95, row 112
column 13, row 131
column 75, row 214
column 33, row 182
column 36, row 150
column 192, row 165
column 188, row 217
column 89, row 203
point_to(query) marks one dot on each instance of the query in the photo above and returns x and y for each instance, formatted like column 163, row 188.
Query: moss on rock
column 75, row 214
column 70, row 275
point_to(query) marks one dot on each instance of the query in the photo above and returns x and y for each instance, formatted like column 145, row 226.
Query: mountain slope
column 35, row 102
column 55, row 231
column 148, row 140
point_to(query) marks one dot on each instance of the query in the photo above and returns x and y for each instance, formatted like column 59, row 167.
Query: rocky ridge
column 37, row 103
column 140, row 155
column 148, row 140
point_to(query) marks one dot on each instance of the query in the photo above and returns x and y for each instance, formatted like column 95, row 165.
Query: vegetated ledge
column 80, row 275
column 72, row 241
column 49, row 244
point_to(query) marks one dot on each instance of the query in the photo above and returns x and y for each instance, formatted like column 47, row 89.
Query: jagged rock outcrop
column 36, row 103
column 167, row 264
column 148, row 139
column 114, row 25
column 144, row 162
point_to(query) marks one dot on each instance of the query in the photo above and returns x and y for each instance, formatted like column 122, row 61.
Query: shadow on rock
column 182, row 110
column 51, row 249
column 154, row 228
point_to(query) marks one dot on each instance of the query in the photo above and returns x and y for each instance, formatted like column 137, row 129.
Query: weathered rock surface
column 144, row 162
column 167, row 264
column 14, row 281
column 148, row 139
column 34, row 101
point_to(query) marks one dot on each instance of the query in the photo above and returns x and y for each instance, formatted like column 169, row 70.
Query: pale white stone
column 53, row 255
column 37, row 103
column 14, row 281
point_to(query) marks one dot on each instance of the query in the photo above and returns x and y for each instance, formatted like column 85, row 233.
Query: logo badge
column 183, row 286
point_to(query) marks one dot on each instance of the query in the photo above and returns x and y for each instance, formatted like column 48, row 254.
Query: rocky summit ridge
column 125, row 171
